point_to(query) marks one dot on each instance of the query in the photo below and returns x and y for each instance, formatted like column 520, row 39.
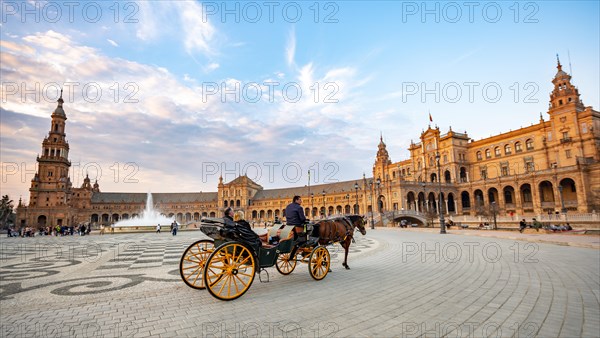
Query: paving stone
column 133, row 288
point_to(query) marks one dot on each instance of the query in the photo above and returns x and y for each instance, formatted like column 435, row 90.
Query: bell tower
column 51, row 186
column 565, row 96
column 382, row 161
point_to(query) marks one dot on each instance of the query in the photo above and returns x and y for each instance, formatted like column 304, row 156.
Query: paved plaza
column 401, row 283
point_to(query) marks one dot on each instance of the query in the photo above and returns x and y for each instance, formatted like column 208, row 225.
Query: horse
column 340, row 229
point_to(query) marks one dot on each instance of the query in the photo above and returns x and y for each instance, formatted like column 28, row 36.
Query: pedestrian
column 175, row 226
column 522, row 225
column 536, row 225
column 158, row 229
column 101, row 229
column 112, row 228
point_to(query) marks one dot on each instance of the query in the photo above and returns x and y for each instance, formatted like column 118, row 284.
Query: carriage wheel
column 285, row 264
column 319, row 262
column 191, row 265
column 229, row 271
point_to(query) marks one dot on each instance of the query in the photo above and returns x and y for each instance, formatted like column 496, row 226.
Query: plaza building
column 549, row 167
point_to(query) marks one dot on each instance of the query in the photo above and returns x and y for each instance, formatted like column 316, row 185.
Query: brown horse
column 340, row 229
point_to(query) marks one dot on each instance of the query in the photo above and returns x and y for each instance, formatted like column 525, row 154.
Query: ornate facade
column 549, row 167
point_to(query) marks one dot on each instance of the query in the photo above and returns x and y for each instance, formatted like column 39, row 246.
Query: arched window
column 497, row 152
column 488, row 153
column 479, row 156
column 507, row 150
column 518, row 147
column 529, row 144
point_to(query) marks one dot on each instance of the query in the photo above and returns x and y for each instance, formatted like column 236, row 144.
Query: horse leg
column 346, row 247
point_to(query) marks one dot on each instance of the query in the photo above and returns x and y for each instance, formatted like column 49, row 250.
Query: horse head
column 359, row 222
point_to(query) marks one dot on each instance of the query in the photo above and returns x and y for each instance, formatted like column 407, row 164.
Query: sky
column 166, row 96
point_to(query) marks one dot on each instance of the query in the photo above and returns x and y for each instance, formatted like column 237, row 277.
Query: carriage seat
column 284, row 233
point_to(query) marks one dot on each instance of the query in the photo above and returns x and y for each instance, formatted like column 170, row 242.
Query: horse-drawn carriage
column 227, row 263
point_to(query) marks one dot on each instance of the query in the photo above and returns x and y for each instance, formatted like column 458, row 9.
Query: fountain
column 146, row 222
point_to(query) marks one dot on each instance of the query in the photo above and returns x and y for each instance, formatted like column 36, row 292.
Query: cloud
column 290, row 49
column 112, row 42
column 211, row 67
column 198, row 31
column 159, row 120
column 21, row 49
column 186, row 22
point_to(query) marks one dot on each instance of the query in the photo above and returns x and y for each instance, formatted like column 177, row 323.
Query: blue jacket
column 294, row 214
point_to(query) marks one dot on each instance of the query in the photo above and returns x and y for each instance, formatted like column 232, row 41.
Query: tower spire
column 558, row 65
column 564, row 93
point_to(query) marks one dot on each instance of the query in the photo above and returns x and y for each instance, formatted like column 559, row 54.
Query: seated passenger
column 238, row 217
column 228, row 214
column 245, row 231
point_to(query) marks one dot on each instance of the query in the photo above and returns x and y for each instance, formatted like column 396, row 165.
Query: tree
column 6, row 210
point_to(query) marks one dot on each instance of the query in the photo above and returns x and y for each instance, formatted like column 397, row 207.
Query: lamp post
column 372, row 220
column 348, row 202
column 312, row 206
column 494, row 211
column 356, row 190
column 442, row 221
column 563, row 210
column 324, row 210
column 423, row 205
column 378, row 194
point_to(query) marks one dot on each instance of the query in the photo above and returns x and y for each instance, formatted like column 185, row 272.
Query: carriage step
column 260, row 276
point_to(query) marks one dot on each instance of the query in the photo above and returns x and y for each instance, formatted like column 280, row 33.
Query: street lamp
column 494, row 211
column 372, row 220
column 442, row 221
column 380, row 207
column 312, row 206
column 347, row 201
column 562, row 200
column 356, row 189
column 324, row 210
column 423, row 205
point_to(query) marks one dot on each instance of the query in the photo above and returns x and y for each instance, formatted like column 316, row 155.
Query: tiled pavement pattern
column 402, row 283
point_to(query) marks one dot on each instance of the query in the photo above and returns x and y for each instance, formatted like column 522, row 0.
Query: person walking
column 158, row 229
column 175, row 226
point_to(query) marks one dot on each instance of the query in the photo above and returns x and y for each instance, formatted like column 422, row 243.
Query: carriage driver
column 294, row 215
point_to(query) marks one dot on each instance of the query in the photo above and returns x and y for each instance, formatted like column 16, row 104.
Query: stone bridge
column 412, row 216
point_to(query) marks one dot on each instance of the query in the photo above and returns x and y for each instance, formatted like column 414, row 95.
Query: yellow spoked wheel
column 319, row 262
column 285, row 264
column 229, row 271
column 191, row 265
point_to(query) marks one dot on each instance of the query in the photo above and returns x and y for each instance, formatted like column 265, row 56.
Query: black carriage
column 227, row 263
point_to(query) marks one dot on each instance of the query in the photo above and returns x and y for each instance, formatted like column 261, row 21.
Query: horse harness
column 347, row 225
